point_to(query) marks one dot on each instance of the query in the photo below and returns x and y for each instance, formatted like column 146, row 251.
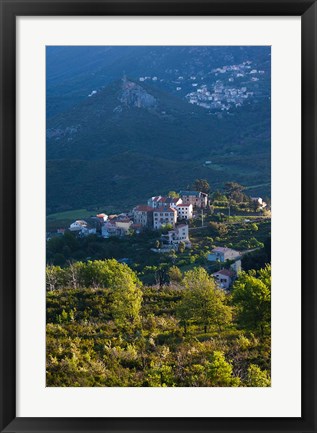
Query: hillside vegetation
column 104, row 328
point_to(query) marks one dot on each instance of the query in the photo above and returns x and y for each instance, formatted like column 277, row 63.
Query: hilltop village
column 174, row 221
column 159, row 212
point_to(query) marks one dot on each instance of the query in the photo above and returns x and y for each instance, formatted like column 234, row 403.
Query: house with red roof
column 143, row 215
column 162, row 201
column 224, row 278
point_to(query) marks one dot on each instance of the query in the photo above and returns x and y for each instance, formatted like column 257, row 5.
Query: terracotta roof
column 226, row 272
column 136, row 226
column 169, row 199
column 162, row 210
column 80, row 222
column 143, row 208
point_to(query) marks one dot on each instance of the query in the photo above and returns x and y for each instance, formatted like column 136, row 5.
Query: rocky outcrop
column 134, row 95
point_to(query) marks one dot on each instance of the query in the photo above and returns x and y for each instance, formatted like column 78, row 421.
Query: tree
column 160, row 275
column 218, row 229
column 267, row 248
column 172, row 255
column 173, row 194
column 254, row 227
column 257, row 378
column 201, row 185
column 219, row 196
column 234, row 192
column 55, row 277
column 107, row 273
column 202, row 303
column 252, row 296
column 219, row 371
column 126, row 296
column 255, row 260
column 175, row 274
column 181, row 247
column 74, row 274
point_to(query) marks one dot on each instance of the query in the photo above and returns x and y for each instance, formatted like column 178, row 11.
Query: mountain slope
column 74, row 72
column 129, row 141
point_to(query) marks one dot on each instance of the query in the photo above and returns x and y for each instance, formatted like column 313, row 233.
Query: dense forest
column 106, row 328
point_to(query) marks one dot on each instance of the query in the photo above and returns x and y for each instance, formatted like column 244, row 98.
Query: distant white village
column 226, row 89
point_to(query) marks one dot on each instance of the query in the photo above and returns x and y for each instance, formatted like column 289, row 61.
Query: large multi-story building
column 179, row 234
column 143, row 215
column 166, row 202
column 184, row 211
column 164, row 216
column 196, row 198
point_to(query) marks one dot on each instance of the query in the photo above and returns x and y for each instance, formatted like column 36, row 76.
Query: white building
column 88, row 231
column 224, row 278
column 164, row 216
column 78, row 225
column 153, row 201
column 82, row 228
column 102, row 217
column 222, row 254
column 179, row 234
column 116, row 228
column 259, row 201
column 236, row 266
column 124, row 226
column 184, row 211
column 161, row 201
column 109, row 229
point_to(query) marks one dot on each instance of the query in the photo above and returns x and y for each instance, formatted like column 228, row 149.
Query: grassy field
column 70, row 215
column 58, row 220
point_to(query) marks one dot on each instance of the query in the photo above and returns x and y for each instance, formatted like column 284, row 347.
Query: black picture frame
column 10, row 9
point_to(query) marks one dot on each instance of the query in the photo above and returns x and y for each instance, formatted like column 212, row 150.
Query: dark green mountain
column 131, row 140
column 73, row 72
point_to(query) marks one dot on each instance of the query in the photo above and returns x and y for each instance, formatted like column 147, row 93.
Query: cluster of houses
column 226, row 276
column 161, row 211
column 222, row 88
column 158, row 212
column 164, row 211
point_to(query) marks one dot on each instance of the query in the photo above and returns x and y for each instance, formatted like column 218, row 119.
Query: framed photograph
column 158, row 176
